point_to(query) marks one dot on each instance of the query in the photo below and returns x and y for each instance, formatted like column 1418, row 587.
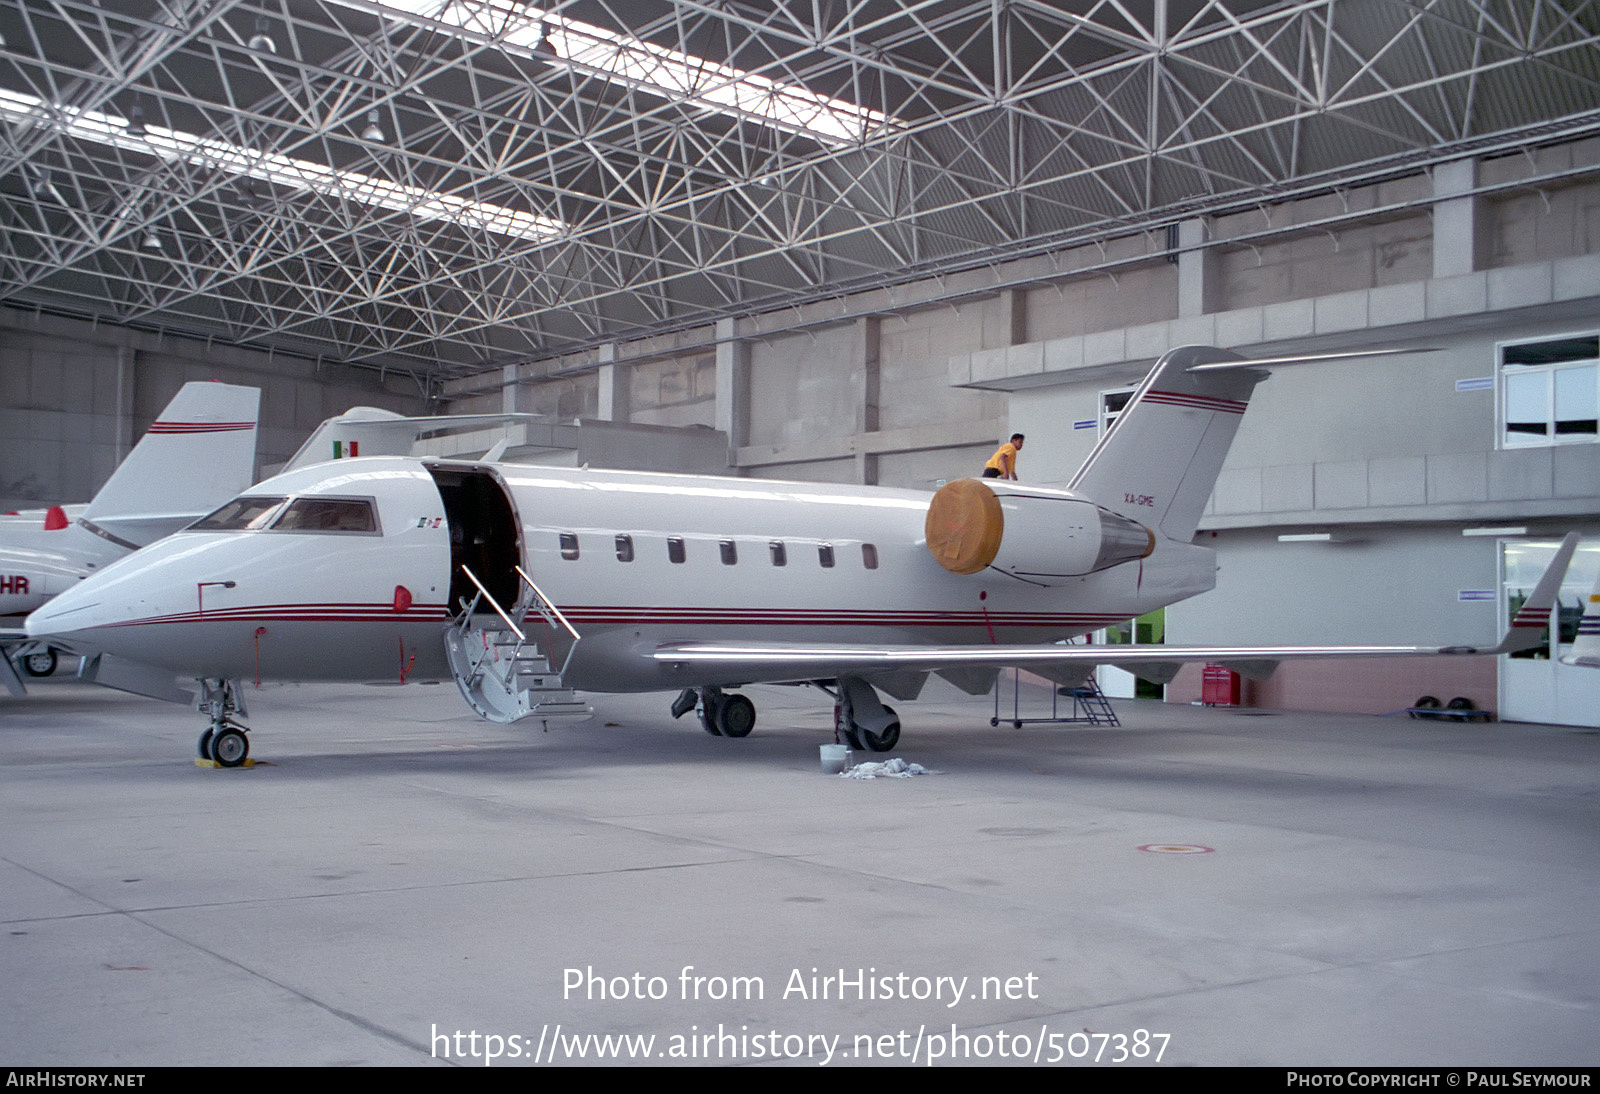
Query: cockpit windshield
column 254, row 513
column 240, row 515
column 327, row 515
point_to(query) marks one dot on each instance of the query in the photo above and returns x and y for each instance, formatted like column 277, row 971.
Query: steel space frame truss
column 522, row 201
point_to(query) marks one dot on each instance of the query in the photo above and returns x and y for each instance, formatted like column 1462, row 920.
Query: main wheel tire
column 42, row 663
column 736, row 716
column 205, row 744
column 884, row 741
column 1428, row 702
column 230, row 747
column 1460, row 702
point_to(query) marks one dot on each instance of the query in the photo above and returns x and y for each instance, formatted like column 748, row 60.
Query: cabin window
column 825, row 555
column 780, row 554
column 327, row 515
column 624, row 548
column 569, row 545
column 730, row 552
column 675, row 551
column 240, row 515
column 869, row 556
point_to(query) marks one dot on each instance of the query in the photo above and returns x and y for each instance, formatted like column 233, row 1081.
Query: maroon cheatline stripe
column 200, row 427
column 1197, row 402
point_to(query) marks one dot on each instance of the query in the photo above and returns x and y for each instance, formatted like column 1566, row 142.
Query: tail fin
column 200, row 452
column 1529, row 625
column 1159, row 461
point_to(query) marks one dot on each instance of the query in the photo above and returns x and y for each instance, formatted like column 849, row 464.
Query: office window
column 569, row 545
column 780, row 553
column 675, row 551
column 730, row 552
column 624, row 548
column 1112, row 404
column 1549, row 391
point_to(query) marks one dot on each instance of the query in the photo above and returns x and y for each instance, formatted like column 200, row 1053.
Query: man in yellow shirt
column 1003, row 464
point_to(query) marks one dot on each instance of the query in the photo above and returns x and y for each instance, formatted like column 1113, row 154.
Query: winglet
column 1527, row 629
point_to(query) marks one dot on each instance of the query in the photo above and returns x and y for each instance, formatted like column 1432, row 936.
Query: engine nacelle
column 1034, row 534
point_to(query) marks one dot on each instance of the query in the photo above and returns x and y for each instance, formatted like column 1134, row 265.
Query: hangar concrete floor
column 1376, row 890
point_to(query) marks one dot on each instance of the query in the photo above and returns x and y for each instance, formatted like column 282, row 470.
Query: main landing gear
column 859, row 718
column 224, row 741
column 861, row 721
column 721, row 715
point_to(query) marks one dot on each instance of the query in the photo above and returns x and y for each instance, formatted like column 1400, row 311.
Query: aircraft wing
column 783, row 662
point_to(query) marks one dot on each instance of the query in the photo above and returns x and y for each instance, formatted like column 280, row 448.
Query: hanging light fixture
column 136, row 121
column 152, row 242
column 261, row 41
column 373, row 132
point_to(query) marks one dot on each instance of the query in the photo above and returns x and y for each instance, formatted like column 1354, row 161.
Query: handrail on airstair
column 546, row 606
column 498, row 610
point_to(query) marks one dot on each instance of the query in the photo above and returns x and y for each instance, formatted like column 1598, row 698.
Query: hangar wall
column 76, row 396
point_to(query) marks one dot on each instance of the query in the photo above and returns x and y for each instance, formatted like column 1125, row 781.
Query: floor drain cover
column 1176, row 849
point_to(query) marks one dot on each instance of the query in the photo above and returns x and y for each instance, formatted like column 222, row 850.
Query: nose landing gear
column 224, row 742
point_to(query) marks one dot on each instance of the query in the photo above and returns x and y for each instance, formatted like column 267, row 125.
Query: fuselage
column 303, row 586
column 38, row 562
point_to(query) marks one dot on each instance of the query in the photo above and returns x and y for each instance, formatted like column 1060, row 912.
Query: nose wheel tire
column 229, row 747
column 42, row 663
column 205, row 745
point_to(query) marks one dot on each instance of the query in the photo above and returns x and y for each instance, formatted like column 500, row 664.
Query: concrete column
column 1014, row 317
column 1198, row 280
column 868, row 332
column 510, row 390
column 614, row 386
column 127, row 360
column 1460, row 228
column 733, row 388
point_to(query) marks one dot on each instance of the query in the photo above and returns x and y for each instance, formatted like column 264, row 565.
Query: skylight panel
column 666, row 72
column 281, row 171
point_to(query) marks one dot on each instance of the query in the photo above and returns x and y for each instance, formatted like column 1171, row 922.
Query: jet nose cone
column 66, row 613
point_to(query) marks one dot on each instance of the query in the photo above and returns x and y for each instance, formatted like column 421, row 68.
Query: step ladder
column 1089, row 704
column 503, row 675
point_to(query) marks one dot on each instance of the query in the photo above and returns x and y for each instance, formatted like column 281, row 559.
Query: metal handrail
column 472, row 577
column 546, row 602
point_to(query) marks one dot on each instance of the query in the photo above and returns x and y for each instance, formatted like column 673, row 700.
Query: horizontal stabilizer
column 369, row 431
column 1301, row 359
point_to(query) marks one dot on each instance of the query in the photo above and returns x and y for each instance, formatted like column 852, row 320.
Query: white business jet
column 199, row 452
column 521, row 582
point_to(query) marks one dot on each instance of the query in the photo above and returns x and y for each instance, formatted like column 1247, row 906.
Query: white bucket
column 835, row 758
